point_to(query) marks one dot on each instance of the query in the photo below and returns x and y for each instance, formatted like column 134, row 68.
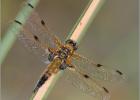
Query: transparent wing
column 87, row 84
column 99, row 71
column 37, row 37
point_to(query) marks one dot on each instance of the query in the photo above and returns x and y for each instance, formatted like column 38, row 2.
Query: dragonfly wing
column 101, row 72
column 86, row 84
column 35, row 37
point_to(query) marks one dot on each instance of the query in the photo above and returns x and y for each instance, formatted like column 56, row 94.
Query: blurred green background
column 112, row 39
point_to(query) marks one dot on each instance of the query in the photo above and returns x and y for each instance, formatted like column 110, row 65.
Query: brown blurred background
column 112, row 39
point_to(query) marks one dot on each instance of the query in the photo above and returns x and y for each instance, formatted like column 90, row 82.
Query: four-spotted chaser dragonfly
column 83, row 73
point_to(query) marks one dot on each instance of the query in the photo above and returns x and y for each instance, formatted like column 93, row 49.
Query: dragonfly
column 83, row 73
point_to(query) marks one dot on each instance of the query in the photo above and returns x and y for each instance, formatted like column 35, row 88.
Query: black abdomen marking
column 40, row 82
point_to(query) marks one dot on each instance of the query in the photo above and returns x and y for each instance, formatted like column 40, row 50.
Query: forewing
column 82, row 81
column 35, row 37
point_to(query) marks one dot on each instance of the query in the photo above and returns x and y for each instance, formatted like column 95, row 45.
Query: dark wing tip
column 18, row 22
column 42, row 22
column 86, row 76
column 106, row 90
column 36, row 38
column 99, row 65
column 30, row 5
column 119, row 72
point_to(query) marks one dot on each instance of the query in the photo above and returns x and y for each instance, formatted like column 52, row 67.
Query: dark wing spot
column 86, row 76
column 99, row 65
column 36, row 38
column 18, row 22
column 105, row 90
column 30, row 5
column 119, row 72
column 42, row 22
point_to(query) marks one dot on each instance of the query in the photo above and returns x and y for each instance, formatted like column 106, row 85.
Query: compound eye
column 74, row 44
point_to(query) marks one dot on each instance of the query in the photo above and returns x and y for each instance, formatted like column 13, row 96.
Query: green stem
column 14, row 29
column 83, row 32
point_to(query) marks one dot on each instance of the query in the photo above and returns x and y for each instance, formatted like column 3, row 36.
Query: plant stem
column 14, row 29
column 84, row 21
column 76, row 34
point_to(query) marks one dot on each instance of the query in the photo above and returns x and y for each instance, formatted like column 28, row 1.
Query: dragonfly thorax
column 61, row 53
column 64, row 53
column 67, row 49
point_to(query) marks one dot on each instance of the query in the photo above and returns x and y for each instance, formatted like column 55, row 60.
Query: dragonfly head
column 72, row 43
